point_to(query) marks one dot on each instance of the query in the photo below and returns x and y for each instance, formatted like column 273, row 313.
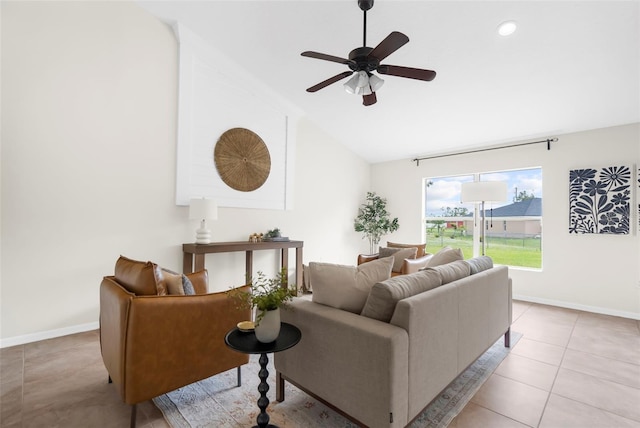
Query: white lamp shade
column 203, row 209
column 375, row 82
column 351, row 85
column 484, row 191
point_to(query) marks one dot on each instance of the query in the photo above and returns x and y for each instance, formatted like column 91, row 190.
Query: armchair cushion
column 420, row 247
column 174, row 284
column 398, row 254
column 178, row 284
column 347, row 287
column 140, row 278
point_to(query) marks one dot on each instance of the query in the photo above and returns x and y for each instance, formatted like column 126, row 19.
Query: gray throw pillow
column 479, row 264
column 187, row 286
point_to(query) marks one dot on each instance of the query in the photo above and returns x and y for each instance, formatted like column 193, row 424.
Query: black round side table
column 247, row 343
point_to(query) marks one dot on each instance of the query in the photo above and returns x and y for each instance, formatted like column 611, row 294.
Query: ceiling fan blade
column 329, row 81
column 370, row 99
column 392, row 43
column 411, row 73
column 318, row 55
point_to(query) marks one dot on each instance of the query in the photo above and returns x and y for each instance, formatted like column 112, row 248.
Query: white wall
column 593, row 272
column 89, row 95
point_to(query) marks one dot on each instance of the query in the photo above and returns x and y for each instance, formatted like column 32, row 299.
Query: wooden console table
column 193, row 254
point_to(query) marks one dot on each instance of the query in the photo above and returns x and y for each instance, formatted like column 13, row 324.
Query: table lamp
column 203, row 209
column 481, row 192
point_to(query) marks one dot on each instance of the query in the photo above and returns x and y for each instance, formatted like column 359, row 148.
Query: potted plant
column 373, row 219
column 267, row 296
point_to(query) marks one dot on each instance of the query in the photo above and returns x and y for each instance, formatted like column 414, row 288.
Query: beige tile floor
column 570, row 369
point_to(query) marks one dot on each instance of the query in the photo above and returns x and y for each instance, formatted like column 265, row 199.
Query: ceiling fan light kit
column 507, row 28
column 365, row 60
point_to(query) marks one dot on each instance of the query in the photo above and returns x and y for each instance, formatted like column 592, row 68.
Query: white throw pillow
column 444, row 256
column 398, row 254
column 347, row 287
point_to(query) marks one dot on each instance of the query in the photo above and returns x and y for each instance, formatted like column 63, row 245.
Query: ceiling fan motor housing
column 365, row 4
column 360, row 61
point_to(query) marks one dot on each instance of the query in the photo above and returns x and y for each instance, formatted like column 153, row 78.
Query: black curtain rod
column 548, row 141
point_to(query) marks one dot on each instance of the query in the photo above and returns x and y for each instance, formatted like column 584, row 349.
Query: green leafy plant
column 374, row 221
column 265, row 294
column 275, row 233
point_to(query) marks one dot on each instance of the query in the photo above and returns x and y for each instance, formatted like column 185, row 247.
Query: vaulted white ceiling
column 570, row 66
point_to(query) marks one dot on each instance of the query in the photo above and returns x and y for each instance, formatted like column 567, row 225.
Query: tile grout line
column 555, row 378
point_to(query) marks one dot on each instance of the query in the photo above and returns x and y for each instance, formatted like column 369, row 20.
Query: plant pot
column 269, row 327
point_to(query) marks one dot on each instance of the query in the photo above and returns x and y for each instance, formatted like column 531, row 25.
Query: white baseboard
column 49, row 334
column 579, row 307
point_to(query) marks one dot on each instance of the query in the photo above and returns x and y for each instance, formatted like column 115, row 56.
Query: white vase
column 269, row 327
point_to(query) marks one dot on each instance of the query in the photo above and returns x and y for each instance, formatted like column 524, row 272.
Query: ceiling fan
column 365, row 60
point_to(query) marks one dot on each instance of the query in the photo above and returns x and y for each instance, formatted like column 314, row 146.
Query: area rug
column 218, row 402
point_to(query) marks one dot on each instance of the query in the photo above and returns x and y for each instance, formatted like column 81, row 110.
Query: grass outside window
column 520, row 252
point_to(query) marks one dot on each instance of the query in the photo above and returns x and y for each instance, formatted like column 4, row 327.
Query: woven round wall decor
column 242, row 159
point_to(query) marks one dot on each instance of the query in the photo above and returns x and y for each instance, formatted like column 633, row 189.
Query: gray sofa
column 383, row 374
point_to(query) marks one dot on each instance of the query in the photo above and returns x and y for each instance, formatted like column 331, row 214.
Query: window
column 513, row 229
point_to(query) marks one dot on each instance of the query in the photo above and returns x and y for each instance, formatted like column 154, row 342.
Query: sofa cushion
column 452, row 271
column 398, row 254
column 384, row 295
column 419, row 247
column 347, row 287
column 140, row 278
column 444, row 256
column 479, row 264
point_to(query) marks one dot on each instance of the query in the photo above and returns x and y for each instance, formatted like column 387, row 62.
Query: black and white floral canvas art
column 600, row 200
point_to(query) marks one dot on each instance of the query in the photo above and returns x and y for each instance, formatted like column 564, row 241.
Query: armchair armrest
column 363, row 258
column 414, row 265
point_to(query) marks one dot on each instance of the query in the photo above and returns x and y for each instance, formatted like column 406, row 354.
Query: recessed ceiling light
column 507, row 28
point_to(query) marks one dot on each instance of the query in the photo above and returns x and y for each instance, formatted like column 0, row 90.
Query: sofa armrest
column 414, row 265
column 364, row 258
column 367, row 357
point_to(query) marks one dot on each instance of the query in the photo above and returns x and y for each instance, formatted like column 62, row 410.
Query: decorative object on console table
column 373, row 219
column 481, row 192
column 266, row 296
column 203, row 209
column 275, row 236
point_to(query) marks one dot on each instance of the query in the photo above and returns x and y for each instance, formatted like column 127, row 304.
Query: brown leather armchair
column 152, row 344
column 408, row 265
